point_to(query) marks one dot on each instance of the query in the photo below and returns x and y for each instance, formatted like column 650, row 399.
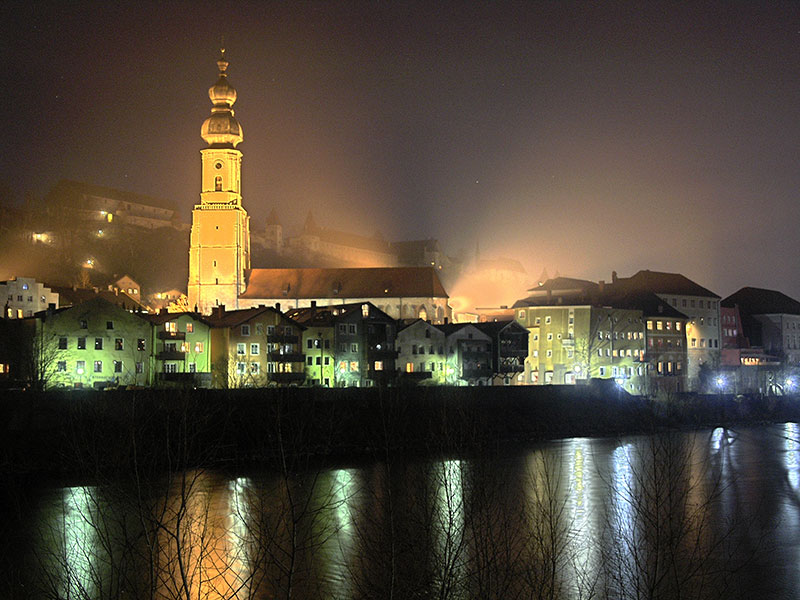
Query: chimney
column 601, row 286
column 613, row 277
column 163, row 311
column 313, row 304
column 278, row 306
column 446, row 320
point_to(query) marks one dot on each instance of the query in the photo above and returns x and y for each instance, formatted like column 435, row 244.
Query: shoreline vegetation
column 101, row 433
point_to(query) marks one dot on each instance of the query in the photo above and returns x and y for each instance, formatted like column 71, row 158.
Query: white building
column 24, row 296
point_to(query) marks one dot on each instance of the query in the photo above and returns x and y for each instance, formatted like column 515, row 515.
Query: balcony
column 171, row 335
column 287, row 378
column 170, row 355
column 286, row 357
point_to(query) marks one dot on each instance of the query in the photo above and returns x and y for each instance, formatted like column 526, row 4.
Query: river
column 707, row 514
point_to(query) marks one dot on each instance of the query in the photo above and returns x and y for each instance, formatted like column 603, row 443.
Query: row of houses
column 99, row 344
column 660, row 332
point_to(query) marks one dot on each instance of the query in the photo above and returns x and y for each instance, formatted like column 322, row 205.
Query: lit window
column 379, row 365
column 171, row 327
column 354, row 365
column 189, row 327
column 659, row 325
column 650, row 325
column 140, row 345
column 694, row 342
column 198, row 347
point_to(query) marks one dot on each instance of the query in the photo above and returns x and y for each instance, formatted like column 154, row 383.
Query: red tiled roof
column 364, row 282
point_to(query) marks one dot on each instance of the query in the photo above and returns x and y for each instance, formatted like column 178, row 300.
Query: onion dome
column 222, row 129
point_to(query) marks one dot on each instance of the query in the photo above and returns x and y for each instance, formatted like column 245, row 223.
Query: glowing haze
column 578, row 137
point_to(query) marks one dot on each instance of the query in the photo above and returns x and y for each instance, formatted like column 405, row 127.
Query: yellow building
column 219, row 249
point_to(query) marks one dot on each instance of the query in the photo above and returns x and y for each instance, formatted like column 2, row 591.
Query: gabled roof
column 364, row 282
column 564, row 284
column 493, row 328
column 322, row 316
column 237, row 317
column 68, row 296
column 759, row 301
column 649, row 303
column 662, row 283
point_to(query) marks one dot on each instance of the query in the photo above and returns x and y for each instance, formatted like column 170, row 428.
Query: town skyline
column 399, row 117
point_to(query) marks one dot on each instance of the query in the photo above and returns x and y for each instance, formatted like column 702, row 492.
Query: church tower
column 219, row 250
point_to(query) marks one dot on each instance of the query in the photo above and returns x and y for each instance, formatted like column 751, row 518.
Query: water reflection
column 574, row 519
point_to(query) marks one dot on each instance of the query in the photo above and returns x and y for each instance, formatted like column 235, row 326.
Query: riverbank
column 104, row 432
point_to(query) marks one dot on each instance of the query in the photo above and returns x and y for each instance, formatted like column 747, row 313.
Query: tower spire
column 221, row 129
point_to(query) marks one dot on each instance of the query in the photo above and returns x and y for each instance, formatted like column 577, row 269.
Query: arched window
column 423, row 313
column 218, row 183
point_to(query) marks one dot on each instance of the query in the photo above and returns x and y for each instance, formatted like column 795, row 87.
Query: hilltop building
column 24, row 296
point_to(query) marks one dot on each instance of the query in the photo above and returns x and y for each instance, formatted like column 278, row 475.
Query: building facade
column 25, row 296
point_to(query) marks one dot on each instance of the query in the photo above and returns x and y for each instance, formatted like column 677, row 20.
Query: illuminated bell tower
column 219, row 250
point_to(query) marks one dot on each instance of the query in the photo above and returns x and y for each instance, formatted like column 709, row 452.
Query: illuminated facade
column 219, row 250
column 422, row 353
column 24, row 296
column 568, row 343
column 181, row 347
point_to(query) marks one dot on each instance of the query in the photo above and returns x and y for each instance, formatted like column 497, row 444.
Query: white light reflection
column 79, row 538
column 337, row 552
column 791, row 457
column 239, row 536
column 449, row 523
column 717, row 437
column 584, row 533
column 623, row 517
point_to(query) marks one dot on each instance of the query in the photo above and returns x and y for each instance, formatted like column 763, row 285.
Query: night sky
column 579, row 137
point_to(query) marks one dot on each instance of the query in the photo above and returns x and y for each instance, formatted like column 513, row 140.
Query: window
column 254, row 349
column 538, row 320
column 62, row 343
column 80, row 367
column 198, row 347
column 84, row 324
column 535, row 337
column 521, row 314
column 353, row 347
column 61, row 366
column 81, row 343
column 547, row 320
column 255, row 368
column 342, row 328
column 342, row 347
column 677, row 326
column 240, row 368
column 98, row 366
column 352, row 328
column 98, row 343
column 549, row 337
column 650, row 325
column 245, row 329
column 309, row 360
column 192, row 367
column 270, row 329
column 140, row 344
column 549, row 353
column 327, row 361
column 139, row 366
column 24, row 286
column 365, row 310
column 602, row 371
column 218, row 183
column 354, row 365
column 241, row 349
column 309, row 344
column 409, row 367
column 109, row 324
column 659, row 325
column 694, row 342
column 378, row 365
column 288, row 330
column 317, row 361
column 117, row 366
column 118, row 344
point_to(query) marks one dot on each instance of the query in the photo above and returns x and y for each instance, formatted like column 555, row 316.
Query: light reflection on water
column 583, row 507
